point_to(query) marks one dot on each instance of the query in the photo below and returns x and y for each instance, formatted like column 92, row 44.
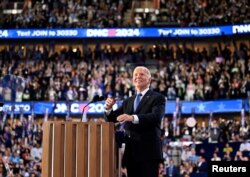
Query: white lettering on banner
column 194, row 32
column 96, row 108
column 23, row 33
column 52, row 33
column 136, row 32
column 74, row 108
column 4, row 33
column 181, row 32
column 112, row 32
column 126, row 32
column 99, row 108
column 164, row 32
column 97, row 33
column 208, row 31
column 66, row 32
column 191, row 31
column 91, row 108
column 40, row 33
column 26, row 107
column 61, row 108
column 241, row 28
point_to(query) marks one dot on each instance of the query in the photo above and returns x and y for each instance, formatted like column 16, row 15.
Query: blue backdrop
column 198, row 107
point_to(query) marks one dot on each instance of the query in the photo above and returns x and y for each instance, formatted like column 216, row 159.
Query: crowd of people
column 111, row 13
column 190, row 148
column 189, row 13
column 186, row 149
column 67, row 14
column 38, row 73
column 73, row 75
column 20, row 147
column 46, row 75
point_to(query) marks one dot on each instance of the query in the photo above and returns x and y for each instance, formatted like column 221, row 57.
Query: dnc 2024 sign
column 125, row 32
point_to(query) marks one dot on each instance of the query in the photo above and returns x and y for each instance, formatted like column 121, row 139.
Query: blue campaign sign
column 125, row 32
column 205, row 107
column 17, row 107
column 75, row 108
column 41, row 33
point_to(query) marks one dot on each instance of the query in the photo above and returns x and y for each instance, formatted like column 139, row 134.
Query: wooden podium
column 78, row 149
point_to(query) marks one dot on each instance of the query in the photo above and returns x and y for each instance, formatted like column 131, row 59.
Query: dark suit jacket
column 144, row 142
column 203, row 167
column 175, row 172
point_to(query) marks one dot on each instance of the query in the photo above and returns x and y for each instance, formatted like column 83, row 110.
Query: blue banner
column 124, row 32
column 74, row 108
column 205, row 107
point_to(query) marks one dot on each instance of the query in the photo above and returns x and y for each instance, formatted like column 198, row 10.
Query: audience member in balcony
column 214, row 131
column 227, row 148
column 238, row 156
column 166, row 151
column 224, row 132
column 202, row 166
column 180, row 91
column 182, row 170
column 162, row 170
column 244, row 146
column 193, row 158
column 7, row 94
column 186, row 153
column 190, row 90
column 172, row 170
column 36, row 152
column 234, row 90
column 215, row 157
column 227, row 156
column 71, row 94
column 171, row 92
column 188, row 167
column 94, row 89
column 51, row 94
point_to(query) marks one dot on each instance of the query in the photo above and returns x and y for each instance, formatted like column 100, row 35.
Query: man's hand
column 124, row 172
column 109, row 103
column 125, row 118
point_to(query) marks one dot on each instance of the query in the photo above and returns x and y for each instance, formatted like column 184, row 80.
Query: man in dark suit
column 172, row 170
column 141, row 117
column 202, row 166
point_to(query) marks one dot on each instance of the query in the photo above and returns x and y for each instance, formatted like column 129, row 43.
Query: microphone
column 96, row 98
column 101, row 98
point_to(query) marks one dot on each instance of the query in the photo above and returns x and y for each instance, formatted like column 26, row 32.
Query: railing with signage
column 125, row 32
column 75, row 108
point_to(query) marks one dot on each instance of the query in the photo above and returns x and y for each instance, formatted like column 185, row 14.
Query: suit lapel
column 143, row 101
column 131, row 105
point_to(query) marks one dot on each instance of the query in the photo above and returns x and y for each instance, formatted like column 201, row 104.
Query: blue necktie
column 137, row 101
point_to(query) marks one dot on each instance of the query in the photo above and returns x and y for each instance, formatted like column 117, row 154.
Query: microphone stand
column 84, row 118
column 95, row 99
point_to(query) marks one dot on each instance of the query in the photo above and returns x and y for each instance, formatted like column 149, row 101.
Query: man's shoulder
column 157, row 94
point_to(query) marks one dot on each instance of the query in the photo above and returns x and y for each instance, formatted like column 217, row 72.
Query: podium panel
column 78, row 149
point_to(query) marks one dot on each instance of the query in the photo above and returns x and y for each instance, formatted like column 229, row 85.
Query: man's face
column 141, row 78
